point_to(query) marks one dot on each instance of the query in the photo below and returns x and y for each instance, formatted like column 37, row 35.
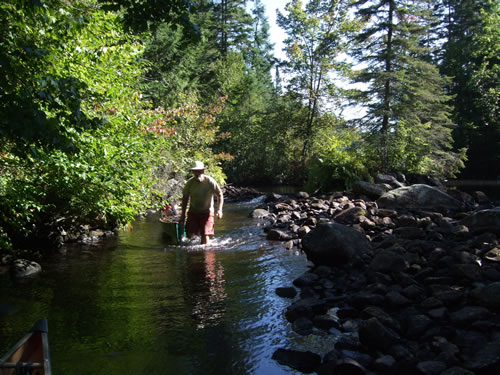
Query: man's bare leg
column 205, row 239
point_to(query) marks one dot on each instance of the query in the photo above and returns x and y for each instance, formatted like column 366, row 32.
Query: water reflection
column 208, row 292
column 140, row 306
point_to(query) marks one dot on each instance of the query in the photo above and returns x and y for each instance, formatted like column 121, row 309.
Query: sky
column 277, row 34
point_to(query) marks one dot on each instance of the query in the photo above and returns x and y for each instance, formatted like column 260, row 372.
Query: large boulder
column 484, row 221
column 334, row 244
column 418, row 196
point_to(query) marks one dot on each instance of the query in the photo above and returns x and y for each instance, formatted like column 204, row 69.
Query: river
column 133, row 305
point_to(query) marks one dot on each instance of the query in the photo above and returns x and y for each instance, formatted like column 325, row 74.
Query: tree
column 470, row 56
column 142, row 15
column 233, row 25
column 408, row 114
column 316, row 37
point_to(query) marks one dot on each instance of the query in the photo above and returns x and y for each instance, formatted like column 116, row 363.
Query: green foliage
column 316, row 35
column 107, row 177
column 339, row 160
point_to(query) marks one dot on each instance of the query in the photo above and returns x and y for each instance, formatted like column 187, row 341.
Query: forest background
column 105, row 104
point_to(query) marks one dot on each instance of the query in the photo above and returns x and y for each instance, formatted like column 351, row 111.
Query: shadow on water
column 136, row 305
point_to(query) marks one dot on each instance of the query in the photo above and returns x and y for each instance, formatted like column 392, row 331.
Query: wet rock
column 303, row 326
column 307, row 307
column 302, row 361
column 325, row 323
column 259, row 213
column 273, row 197
column 286, row 292
column 278, row 235
column 334, row 244
column 23, row 268
column 306, row 279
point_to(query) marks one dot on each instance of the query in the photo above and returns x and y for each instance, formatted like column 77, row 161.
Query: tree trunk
column 387, row 87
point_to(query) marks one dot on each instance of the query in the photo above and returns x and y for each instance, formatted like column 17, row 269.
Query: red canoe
column 30, row 355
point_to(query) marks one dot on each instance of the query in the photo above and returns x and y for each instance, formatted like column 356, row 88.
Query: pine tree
column 470, row 56
column 407, row 108
column 233, row 24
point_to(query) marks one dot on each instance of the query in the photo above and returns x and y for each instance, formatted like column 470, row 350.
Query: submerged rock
column 303, row 361
column 23, row 268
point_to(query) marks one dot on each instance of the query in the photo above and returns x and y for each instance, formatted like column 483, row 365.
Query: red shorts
column 200, row 224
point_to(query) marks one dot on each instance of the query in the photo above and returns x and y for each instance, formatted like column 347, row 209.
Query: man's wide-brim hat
column 198, row 166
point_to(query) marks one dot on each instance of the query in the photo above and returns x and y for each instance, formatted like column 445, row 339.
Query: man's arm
column 185, row 199
column 220, row 201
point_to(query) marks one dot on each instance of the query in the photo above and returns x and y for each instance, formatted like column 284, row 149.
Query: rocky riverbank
column 407, row 278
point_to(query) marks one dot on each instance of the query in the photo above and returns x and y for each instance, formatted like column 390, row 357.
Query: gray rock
column 388, row 261
column 303, row 230
column 385, row 364
column 382, row 316
column 418, row 196
column 493, row 255
column 349, row 366
column 457, row 371
column 372, row 191
column 417, row 324
column 489, row 296
column 334, row 244
column 376, row 336
column 486, row 359
column 431, row 367
column 302, row 195
column 484, row 221
column 278, row 235
column 350, row 215
column 259, row 213
column 388, row 179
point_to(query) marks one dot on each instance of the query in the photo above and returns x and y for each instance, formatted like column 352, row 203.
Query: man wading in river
column 199, row 191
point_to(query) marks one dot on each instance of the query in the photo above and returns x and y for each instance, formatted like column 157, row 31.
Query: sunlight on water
column 138, row 305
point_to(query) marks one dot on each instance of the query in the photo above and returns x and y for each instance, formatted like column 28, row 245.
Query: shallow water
column 134, row 305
